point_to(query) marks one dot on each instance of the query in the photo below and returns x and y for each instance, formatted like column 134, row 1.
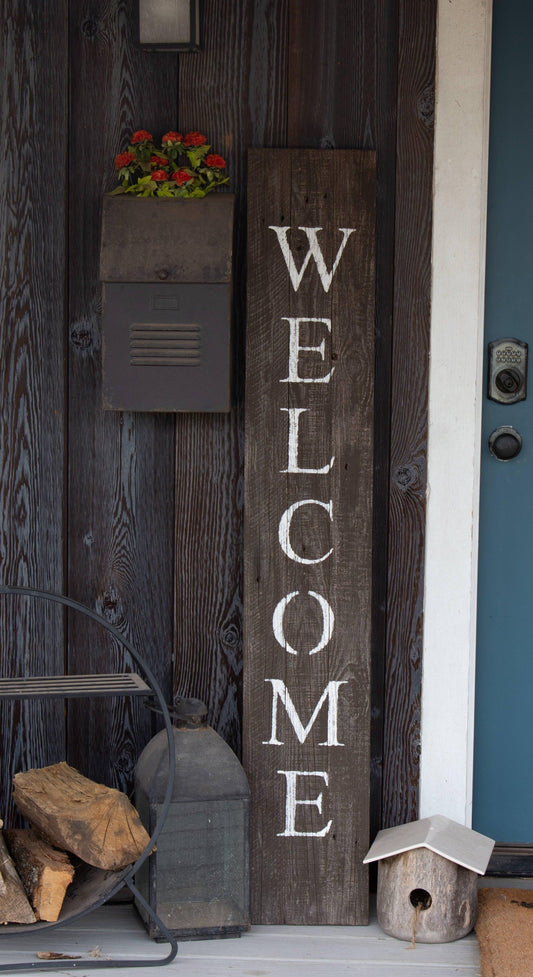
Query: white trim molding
column 455, row 400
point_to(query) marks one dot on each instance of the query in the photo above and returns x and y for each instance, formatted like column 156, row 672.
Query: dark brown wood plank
column 412, row 281
column 333, row 81
column 121, row 466
column 33, row 126
column 348, row 99
column 386, row 96
column 308, row 605
column 234, row 92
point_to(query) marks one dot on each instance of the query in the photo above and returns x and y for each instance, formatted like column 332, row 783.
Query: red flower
column 158, row 161
column 141, row 136
column 181, row 176
column 158, row 175
column 216, row 161
column 172, row 137
column 194, row 139
column 123, row 159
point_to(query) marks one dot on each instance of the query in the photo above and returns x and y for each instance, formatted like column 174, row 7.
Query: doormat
column 504, row 928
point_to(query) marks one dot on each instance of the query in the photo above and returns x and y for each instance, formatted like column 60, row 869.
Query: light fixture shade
column 169, row 25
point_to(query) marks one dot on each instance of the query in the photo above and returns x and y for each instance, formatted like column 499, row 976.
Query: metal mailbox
column 166, row 269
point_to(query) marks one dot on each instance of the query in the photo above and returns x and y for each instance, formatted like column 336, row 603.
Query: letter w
column 326, row 277
column 330, row 693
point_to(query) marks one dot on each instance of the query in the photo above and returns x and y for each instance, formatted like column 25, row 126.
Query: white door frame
column 455, row 401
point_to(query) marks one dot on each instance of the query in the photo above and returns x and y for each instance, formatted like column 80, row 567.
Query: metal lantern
column 197, row 880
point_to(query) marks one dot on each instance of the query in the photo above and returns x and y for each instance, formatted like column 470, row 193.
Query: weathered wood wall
column 140, row 516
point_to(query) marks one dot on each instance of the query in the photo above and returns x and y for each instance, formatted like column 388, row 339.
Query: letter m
column 314, row 251
column 329, row 695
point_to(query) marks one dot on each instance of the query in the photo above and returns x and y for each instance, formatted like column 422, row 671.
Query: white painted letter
column 285, row 528
column 292, row 801
column 326, row 277
column 295, row 349
column 330, row 693
column 294, row 423
column 328, row 622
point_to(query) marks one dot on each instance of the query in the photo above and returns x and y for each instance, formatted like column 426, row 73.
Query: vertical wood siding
column 140, row 516
column 236, row 93
column 33, row 132
column 121, row 465
column 410, row 368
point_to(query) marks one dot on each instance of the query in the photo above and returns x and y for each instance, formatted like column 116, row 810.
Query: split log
column 94, row 822
column 46, row 873
column 14, row 906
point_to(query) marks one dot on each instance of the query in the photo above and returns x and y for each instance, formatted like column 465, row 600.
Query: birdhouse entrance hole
column 420, row 899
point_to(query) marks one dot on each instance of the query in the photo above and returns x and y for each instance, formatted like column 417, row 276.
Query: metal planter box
column 166, row 269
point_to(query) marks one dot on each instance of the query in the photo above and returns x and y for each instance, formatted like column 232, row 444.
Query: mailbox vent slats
column 165, row 344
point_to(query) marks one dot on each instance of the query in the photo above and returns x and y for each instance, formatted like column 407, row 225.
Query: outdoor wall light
column 169, row 25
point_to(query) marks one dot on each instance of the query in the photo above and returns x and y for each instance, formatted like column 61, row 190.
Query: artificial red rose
column 158, row 161
column 172, row 137
column 181, row 176
column 123, row 159
column 194, row 139
column 215, row 161
column 158, row 175
column 141, row 136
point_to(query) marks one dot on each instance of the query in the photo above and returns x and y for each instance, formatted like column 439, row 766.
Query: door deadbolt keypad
column 507, row 371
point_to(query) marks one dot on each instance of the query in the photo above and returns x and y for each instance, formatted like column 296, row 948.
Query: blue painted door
column 503, row 767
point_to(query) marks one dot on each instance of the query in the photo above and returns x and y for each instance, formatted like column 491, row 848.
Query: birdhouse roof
column 442, row 836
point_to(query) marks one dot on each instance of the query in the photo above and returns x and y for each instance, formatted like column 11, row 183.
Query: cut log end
column 45, row 872
column 94, row 822
column 14, row 905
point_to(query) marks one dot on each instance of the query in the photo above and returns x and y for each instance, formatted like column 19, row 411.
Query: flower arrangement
column 182, row 166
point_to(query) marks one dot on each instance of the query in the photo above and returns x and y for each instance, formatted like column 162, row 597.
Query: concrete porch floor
column 115, row 932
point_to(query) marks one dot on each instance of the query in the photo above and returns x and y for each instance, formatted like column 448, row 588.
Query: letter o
column 328, row 622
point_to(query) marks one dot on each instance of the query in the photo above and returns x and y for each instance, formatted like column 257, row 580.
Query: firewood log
column 14, row 906
column 94, row 822
column 46, row 873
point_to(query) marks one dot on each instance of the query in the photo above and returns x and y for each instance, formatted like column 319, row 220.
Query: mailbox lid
column 156, row 239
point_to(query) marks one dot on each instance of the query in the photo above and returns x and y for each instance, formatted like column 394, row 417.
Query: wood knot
column 231, row 636
column 89, row 28
column 109, row 605
column 81, row 337
column 426, row 106
column 405, row 476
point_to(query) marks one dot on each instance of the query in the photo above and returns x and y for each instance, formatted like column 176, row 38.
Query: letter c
column 285, row 528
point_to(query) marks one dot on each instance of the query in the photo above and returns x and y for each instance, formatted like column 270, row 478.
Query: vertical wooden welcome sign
column 308, row 531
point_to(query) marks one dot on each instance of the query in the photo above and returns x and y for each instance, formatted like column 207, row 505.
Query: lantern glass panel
column 200, row 867
column 162, row 21
column 197, row 880
column 172, row 25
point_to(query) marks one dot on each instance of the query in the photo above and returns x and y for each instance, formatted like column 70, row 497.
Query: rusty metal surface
column 166, row 347
column 147, row 239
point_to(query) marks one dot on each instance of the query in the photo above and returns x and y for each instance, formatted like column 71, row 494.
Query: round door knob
column 508, row 381
column 505, row 443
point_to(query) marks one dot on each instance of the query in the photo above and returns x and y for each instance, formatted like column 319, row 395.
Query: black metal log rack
column 92, row 887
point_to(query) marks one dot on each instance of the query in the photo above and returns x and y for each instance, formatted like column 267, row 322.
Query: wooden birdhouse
column 427, row 878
